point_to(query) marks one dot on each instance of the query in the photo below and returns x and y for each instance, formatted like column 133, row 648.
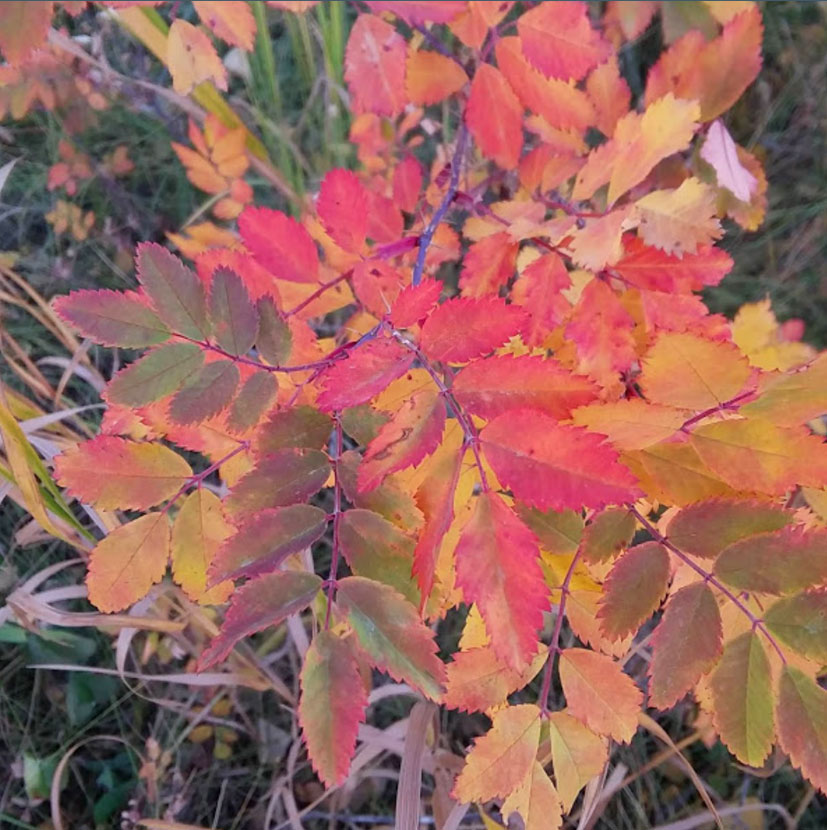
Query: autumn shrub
column 472, row 382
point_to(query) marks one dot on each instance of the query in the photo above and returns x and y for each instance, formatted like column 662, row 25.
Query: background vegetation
column 216, row 757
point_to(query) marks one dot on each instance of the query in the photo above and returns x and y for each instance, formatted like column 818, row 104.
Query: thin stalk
column 337, row 514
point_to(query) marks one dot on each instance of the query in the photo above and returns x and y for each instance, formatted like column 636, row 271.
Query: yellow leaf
column 758, row 335
column 200, row 527
column 679, row 220
column 577, row 753
column 192, row 58
column 536, row 800
column 233, row 22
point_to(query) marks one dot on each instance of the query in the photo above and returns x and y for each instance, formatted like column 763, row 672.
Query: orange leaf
column 125, row 564
column 500, row 138
column 488, row 265
column 630, row 424
column 500, row 760
column 599, row 694
column 24, row 27
column 233, row 22
column 431, row 77
column 577, row 754
column 192, row 58
column 536, row 800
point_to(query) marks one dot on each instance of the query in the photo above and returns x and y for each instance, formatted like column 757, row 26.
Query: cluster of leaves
column 567, row 428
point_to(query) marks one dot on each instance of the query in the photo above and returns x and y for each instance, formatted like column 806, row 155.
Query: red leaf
column 414, row 302
column 488, row 265
column 462, row 329
column 279, row 243
column 497, row 384
column 686, row 644
column 343, row 208
column 498, row 569
column 559, row 40
column 407, row 184
column 413, row 432
column 423, row 11
column 547, row 464
column 362, row 374
column 539, row 289
column 375, row 66
column 332, row 705
column 260, row 604
column 500, row 138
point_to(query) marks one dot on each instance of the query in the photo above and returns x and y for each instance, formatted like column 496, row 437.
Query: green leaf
column 801, row 622
column 255, row 397
column 742, row 699
column 559, row 531
column 265, row 540
column 234, row 318
column 259, row 604
column 157, row 374
column 801, row 715
column 275, row 340
column 300, row 426
column 607, row 534
column 281, row 478
column 392, row 634
column 113, row 318
column 332, row 705
column 206, row 394
column 175, row 291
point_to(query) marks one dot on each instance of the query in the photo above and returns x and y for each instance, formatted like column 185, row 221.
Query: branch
column 427, row 236
column 318, row 292
column 554, row 643
column 711, row 579
column 732, row 403
column 337, row 514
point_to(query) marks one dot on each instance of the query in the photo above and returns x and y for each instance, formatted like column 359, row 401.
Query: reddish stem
column 337, row 514
column 325, row 286
column 711, row 579
column 554, row 643
column 732, row 403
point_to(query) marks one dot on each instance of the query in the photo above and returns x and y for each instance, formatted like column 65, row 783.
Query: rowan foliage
column 480, row 368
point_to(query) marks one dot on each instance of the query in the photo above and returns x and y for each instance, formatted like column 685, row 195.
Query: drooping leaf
column 280, row 244
column 234, row 317
column 801, row 622
column 175, row 291
column 113, row 318
column 461, row 329
column 779, row 562
column 721, row 152
column 742, row 697
column 413, row 432
column 558, row 39
column 607, row 534
column 125, row 564
column 376, row 549
column 159, row 373
column 706, row 528
column 343, row 208
column 772, row 459
column 254, row 399
column 634, row 589
column 498, row 570
column 551, row 465
column 477, row 680
column 599, row 694
column 260, row 604
column 363, row 374
column 689, row 372
column 577, row 755
column 207, row 393
column 500, row 760
column 199, row 529
column 801, row 715
column 117, row 474
column 332, row 705
column 391, row 633
column 284, row 477
column 265, row 540
column 686, row 644
column 501, row 138
column 375, row 66
column 275, row 340
column 493, row 386
column 536, row 801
